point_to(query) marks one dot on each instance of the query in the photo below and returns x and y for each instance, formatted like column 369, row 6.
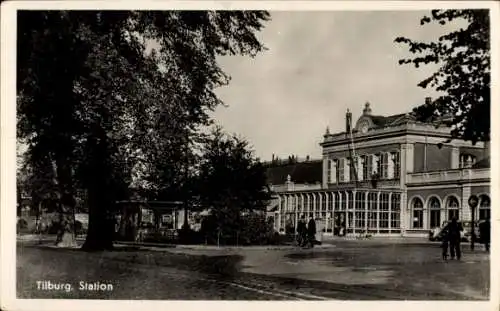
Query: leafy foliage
column 232, row 181
column 464, row 73
column 105, row 108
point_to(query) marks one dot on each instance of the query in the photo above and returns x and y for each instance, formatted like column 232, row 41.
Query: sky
column 318, row 65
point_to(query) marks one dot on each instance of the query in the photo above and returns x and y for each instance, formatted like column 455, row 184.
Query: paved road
column 352, row 270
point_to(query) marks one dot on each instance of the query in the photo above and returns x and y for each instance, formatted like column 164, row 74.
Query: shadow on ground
column 416, row 274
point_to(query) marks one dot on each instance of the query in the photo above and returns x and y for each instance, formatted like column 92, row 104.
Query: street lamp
column 473, row 202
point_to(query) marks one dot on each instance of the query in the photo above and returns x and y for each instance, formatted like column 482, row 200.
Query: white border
column 8, row 155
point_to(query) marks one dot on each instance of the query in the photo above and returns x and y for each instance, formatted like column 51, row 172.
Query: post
column 186, row 177
column 473, row 202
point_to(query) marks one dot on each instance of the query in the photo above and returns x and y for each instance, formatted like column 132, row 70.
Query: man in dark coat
column 302, row 231
column 311, row 231
column 484, row 233
column 454, row 229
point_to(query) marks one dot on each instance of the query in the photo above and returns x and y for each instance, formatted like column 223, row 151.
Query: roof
column 382, row 121
column 302, row 172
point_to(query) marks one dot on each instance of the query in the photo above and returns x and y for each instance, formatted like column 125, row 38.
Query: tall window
column 341, row 169
column 484, row 207
column 350, row 200
column 374, row 168
column 452, row 207
column 397, row 164
column 395, row 210
column 343, row 201
column 434, row 213
column 418, row 213
column 300, row 203
column 360, row 210
column 308, row 205
column 384, row 210
column 329, row 170
column 384, row 165
column 323, row 201
column 332, row 171
column 347, row 170
column 336, row 196
column 329, row 201
column 366, row 167
column 360, row 164
column 315, row 202
column 372, row 210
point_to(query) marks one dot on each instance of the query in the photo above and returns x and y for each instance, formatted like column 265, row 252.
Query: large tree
column 95, row 98
column 463, row 56
column 232, row 181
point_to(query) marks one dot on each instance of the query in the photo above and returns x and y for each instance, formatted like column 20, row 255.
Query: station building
column 384, row 175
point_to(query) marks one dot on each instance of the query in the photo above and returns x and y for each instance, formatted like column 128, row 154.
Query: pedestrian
column 453, row 235
column 311, row 231
column 302, row 231
column 445, row 243
column 484, row 233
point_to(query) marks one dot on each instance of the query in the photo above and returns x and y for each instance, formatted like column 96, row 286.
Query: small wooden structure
column 137, row 217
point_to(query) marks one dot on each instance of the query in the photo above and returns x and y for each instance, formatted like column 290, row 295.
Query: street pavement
column 342, row 270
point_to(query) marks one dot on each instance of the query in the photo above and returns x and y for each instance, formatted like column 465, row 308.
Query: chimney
column 348, row 121
column 367, row 111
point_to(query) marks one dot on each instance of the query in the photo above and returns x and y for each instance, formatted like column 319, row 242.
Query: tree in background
column 232, row 182
column 464, row 73
column 97, row 100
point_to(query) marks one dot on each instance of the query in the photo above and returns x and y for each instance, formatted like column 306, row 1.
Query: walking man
column 302, row 231
column 311, row 231
column 454, row 229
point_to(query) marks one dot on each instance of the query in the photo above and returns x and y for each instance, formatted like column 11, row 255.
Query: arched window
column 350, row 200
column 417, row 207
column 484, row 207
column 308, row 203
column 330, row 201
column 452, row 206
column 434, row 212
column 324, row 201
column 300, row 203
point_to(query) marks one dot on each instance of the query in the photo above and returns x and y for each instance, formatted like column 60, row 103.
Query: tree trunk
column 66, row 205
column 101, row 226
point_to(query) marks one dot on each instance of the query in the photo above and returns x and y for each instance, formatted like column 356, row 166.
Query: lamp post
column 473, row 202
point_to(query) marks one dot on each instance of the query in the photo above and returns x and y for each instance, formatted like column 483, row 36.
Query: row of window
column 340, row 201
column 434, row 211
column 384, row 165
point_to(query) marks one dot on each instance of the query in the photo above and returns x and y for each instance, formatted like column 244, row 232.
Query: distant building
column 383, row 176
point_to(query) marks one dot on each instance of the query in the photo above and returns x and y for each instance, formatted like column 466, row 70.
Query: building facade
column 388, row 175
